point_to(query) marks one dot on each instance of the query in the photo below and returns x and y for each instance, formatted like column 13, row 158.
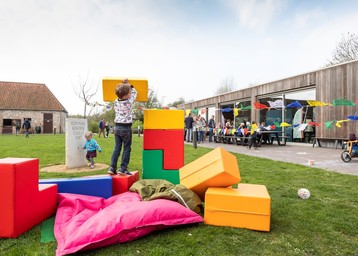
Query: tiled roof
column 28, row 96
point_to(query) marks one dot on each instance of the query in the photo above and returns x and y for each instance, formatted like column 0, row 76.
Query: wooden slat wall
column 340, row 81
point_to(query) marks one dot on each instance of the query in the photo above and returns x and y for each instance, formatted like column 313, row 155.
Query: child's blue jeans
column 122, row 136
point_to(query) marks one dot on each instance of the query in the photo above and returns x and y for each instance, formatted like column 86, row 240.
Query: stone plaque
column 75, row 140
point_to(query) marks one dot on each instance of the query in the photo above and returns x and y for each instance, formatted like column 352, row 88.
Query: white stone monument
column 75, row 140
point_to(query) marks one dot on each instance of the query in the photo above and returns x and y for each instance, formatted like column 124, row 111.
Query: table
column 273, row 134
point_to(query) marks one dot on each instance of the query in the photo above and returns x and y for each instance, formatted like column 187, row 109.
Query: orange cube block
column 218, row 168
column 248, row 206
column 109, row 86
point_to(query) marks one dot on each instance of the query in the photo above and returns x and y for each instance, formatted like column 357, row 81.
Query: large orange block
column 23, row 202
column 109, row 86
column 218, row 168
column 171, row 142
column 248, row 206
column 164, row 119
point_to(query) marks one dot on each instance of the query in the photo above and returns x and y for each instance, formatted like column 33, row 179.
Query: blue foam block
column 91, row 186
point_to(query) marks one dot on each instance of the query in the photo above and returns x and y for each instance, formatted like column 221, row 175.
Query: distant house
column 35, row 102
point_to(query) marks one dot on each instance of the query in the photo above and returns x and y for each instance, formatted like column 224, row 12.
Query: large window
column 278, row 113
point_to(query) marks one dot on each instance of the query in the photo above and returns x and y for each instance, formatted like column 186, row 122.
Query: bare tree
column 227, row 85
column 85, row 90
column 346, row 50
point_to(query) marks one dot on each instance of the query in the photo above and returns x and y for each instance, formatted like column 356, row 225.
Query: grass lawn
column 325, row 224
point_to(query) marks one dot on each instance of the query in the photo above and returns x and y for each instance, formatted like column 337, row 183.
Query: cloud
column 255, row 14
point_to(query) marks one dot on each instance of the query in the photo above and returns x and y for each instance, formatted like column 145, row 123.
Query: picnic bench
column 317, row 141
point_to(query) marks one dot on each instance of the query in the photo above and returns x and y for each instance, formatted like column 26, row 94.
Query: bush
column 93, row 127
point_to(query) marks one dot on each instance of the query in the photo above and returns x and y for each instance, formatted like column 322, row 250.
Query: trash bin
column 38, row 129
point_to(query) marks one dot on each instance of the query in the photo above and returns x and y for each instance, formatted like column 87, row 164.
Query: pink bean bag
column 87, row 222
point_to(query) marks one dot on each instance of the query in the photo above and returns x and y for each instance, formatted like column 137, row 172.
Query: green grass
column 325, row 224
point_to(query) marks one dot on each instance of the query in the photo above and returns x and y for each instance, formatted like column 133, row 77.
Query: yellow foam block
column 163, row 119
column 109, row 86
column 248, row 206
column 218, row 168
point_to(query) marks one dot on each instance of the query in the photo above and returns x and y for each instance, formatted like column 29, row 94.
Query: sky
column 184, row 48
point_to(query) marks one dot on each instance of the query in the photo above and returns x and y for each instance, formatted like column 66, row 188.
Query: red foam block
column 122, row 183
column 172, row 144
column 23, row 202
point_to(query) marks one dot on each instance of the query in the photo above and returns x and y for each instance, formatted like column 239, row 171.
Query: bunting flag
column 277, row 124
column 195, row 111
column 259, row 105
column 314, row 123
column 276, row 104
column 236, row 111
column 343, row 102
column 295, row 104
column 338, row 123
column 226, row 110
column 203, row 111
column 245, row 108
column 357, row 102
column 187, row 112
column 329, row 124
column 316, row 103
column 355, row 118
column 284, row 124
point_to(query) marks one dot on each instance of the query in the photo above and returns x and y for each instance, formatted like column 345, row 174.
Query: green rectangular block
column 153, row 165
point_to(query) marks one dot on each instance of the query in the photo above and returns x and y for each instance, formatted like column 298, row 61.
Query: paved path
column 299, row 153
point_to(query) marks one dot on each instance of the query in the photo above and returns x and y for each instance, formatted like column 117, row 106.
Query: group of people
column 123, row 105
column 198, row 123
column 103, row 126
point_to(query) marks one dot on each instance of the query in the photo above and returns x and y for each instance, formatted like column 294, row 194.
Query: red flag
column 259, row 105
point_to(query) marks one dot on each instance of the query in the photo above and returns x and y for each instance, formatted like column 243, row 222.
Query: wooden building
column 32, row 101
column 323, row 85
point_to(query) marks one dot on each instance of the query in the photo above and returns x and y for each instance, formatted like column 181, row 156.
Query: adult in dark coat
column 26, row 125
column 189, row 127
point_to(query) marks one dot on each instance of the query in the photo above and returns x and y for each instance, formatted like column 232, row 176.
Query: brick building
column 32, row 101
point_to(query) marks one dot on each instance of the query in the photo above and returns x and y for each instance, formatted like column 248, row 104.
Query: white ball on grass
column 303, row 193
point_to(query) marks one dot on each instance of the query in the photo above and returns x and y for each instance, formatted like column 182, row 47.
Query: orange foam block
column 248, row 206
column 109, row 86
column 171, row 142
column 122, row 183
column 23, row 202
column 218, row 168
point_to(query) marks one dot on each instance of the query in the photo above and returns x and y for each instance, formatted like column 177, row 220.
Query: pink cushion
column 87, row 222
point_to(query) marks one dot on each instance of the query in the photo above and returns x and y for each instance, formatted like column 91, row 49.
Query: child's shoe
column 124, row 172
column 112, row 171
column 92, row 166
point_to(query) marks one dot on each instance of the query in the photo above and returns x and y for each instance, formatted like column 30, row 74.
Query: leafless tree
column 85, row 90
column 346, row 50
column 227, row 85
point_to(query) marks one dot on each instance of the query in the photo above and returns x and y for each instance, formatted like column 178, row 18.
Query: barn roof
column 28, row 96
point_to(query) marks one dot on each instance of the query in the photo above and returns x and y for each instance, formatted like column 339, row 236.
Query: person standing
column 212, row 126
column 101, row 128
column 17, row 127
column 189, row 128
column 26, row 125
column 253, row 134
column 91, row 146
column 126, row 94
column 107, row 127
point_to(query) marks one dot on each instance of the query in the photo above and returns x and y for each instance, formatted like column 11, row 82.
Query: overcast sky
column 184, row 48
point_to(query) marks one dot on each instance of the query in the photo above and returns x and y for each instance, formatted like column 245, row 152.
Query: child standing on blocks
column 91, row 146
column 126, row 94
